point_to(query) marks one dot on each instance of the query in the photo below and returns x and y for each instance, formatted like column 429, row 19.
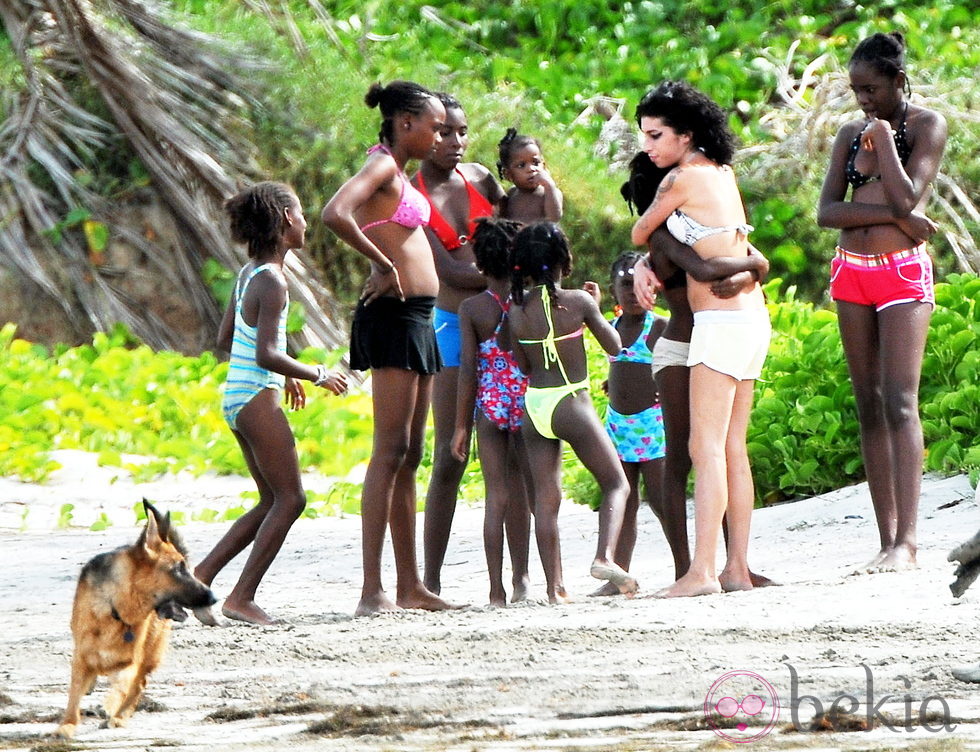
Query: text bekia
column 849, row 704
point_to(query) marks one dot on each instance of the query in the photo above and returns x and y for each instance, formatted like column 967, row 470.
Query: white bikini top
column 689, row 231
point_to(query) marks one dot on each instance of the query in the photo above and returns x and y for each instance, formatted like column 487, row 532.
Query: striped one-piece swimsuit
column 245, row 378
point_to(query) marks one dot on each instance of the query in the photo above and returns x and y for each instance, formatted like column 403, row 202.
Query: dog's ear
column 165, row 529
column 150, row 538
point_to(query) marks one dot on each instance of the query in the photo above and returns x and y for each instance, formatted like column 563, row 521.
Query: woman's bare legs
column 712, row 400
column 673, row 383
column 401, row 402
column 270, row 452
column 741, row 492
column 447, row 471
column 884, row 353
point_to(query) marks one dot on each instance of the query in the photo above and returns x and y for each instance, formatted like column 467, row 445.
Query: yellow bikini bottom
column 540, row 404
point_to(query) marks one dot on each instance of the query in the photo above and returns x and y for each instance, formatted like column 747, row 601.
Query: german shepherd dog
column 120, row 620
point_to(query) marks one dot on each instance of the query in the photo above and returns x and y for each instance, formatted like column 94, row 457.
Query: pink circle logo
column 741, row 707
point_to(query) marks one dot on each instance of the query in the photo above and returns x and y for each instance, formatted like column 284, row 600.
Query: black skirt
column 391, row 333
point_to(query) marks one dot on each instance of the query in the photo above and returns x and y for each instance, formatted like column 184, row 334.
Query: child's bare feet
column 623, row 580
column 522, row 587
column 690, row 585
column 498, row 597
column 760, row 580
column 420, row 597
column 559, row 597
column 376, row 603
column 247, row 611
column 604, row 591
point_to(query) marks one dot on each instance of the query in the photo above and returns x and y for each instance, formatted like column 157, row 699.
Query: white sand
column 604, row 674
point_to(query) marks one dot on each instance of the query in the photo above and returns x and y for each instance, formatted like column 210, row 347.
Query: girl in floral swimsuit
column 491, row 382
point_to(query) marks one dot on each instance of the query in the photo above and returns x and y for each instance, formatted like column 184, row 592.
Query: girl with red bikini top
column 458, row 194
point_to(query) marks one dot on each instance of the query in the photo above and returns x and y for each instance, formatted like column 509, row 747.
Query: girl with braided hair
column 382, row 216
column 491, row 395
column 881, row 278
column 268, row 218
column 548, row 323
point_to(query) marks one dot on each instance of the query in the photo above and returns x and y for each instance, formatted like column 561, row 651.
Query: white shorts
column 731, row 342
column 669, row 352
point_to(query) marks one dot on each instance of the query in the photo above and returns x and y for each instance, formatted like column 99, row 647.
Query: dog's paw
column 66, row 730
column 114, row 722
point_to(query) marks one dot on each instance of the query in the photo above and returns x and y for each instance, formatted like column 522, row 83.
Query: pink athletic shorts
column 884, row 280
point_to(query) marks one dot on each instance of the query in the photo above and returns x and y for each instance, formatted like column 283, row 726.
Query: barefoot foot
column 498, row 597
column 623, row 580
column 760, row 580
column 559, row 597
column 376, row 603
column 420, row 597
column 736, row 581
column 690, row 586
column 604, row 591
column 898, row 559
column 247, row 611
column 522, row 587
column 871, row 566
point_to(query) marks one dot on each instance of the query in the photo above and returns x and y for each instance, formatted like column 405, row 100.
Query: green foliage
column 950, row 390
column 535, row 64
column 118, row 400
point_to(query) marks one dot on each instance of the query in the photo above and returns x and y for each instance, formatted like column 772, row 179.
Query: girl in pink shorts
column 881, row 278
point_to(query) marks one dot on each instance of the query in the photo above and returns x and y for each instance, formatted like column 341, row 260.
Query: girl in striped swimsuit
column 269, row 219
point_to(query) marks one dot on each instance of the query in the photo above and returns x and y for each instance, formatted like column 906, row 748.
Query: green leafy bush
column 535, row 64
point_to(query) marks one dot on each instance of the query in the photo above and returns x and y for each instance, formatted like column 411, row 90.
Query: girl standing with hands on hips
column 534, row 197
column 881, row 278
column 548, row 323
column 269, row 219
column 382, row 216
column 700, row 203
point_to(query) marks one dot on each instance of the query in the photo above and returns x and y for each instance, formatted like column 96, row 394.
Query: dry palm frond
column 176, row 97
column 814, row 106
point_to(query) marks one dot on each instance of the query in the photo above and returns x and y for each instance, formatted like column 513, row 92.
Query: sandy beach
column 598, row 674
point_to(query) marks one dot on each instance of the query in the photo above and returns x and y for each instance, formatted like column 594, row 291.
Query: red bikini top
column 478, row 207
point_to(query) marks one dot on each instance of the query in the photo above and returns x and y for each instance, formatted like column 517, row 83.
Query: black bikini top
column 902, row 146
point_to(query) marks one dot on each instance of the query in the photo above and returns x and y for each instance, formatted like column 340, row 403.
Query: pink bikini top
column 413, row 208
